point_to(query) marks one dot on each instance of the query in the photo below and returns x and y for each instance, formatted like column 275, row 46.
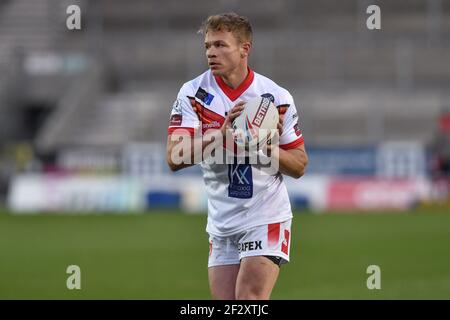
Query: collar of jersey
column 231, row 93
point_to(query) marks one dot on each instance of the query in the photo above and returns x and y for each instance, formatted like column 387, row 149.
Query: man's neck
column 235, row 78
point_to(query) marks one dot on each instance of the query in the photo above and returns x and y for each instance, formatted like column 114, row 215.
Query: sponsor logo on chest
column 211, row 125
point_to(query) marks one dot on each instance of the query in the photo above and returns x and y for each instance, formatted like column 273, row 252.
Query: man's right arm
column 184, row 149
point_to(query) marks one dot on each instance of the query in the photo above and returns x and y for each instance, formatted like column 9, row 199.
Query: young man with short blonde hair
column 249, row 213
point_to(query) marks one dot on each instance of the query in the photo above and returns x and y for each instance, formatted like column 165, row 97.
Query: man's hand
column 280, row 124
column 280, row 132
column 233, row 114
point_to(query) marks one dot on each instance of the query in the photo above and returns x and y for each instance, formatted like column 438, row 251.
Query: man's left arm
column 292, row 162
column 290, row 153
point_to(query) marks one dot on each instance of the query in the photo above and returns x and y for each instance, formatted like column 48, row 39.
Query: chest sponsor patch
column 204, row 96
column 241, row 181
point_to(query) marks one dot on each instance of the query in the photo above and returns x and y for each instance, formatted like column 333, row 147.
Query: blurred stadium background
column 83, row 124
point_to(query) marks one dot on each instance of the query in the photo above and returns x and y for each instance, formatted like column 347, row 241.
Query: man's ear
column 245, row 49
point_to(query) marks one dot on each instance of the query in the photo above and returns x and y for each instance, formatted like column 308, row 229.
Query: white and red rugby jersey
column 240, row 196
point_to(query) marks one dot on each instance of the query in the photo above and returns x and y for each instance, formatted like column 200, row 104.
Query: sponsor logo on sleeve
column 298, row 132
column 176, row 107
column 176, row 116
column 175, row 120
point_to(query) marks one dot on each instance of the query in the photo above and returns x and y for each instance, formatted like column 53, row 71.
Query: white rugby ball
column 257, row 123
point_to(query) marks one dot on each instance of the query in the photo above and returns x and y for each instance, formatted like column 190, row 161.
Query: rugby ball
column 256, row 124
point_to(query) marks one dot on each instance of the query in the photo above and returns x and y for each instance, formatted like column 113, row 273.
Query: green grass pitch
column 163, row 255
